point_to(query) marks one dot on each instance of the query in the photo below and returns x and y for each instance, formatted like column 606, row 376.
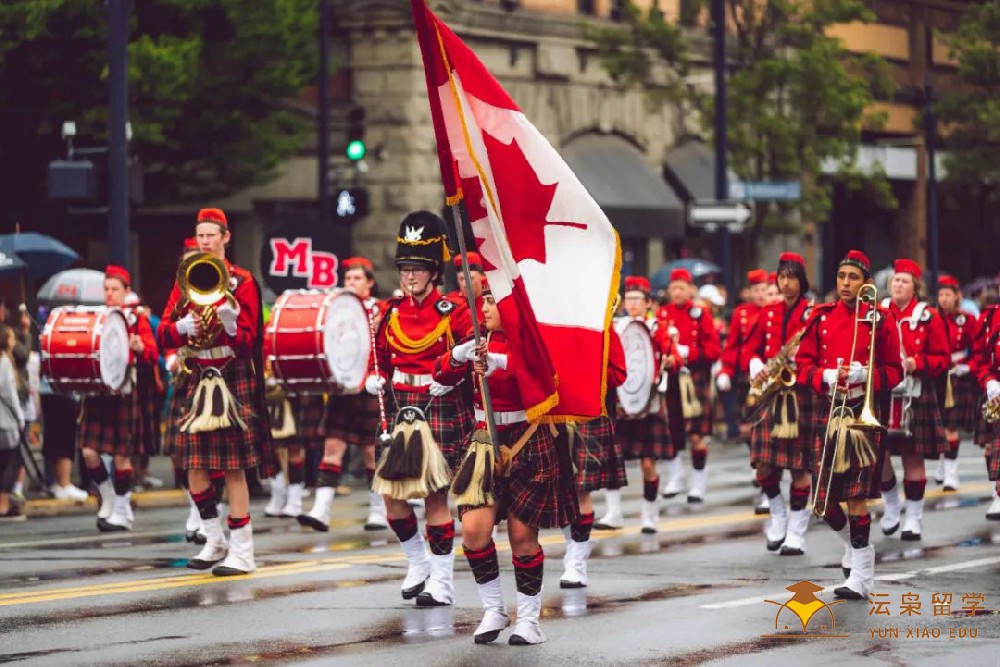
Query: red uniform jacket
column 963, row 327
column 503, row 387
column 986, row 350
column 244, row 290
column 734, row 358
column 694, row 329
column 829, row 340
column 926, row 339
column 617, row 371
column 139, row 324
column 412, row 336
column 776, row 325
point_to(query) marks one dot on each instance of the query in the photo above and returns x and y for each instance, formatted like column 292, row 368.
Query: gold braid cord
column 400, row 341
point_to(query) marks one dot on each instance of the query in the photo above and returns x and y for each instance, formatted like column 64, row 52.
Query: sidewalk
column 42, row 507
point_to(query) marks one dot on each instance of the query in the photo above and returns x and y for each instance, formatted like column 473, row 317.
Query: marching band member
column 698, row 344
column 648, row 438
column 926, row 356
column 960, row 413
column 110, row 423
column 534, row 493
column 847, row 469
column 225, row 362
column 478, row 278
column 417, row 329
column 350, row 419
column 783, row 438
column 286, row 492
column 985, row 365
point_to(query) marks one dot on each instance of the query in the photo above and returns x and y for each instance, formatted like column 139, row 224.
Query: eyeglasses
column 413, row 272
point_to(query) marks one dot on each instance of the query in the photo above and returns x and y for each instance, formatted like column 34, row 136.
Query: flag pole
column 484, row 387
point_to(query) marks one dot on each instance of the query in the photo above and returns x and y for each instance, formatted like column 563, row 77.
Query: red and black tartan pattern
column 858, row 481
column 965, row 415
column 231, row 448
column 599, row 460
column 992, row 455
column 109, row 425
column 308, row 411
column 451, row 420
column 175, row 411
column 781, row 453
column 353, row 418
column 148, row 413
column 984, row 432
column 927, row 428
column 540, row 491
column 680, row 427
column 648, row 437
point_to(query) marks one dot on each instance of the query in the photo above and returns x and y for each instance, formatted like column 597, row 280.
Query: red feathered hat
column 859, row 260
column 118, row 272
column 681, row 275
column 907, row 266
column 190, row 243
column 757, row 276
column 637, row 284
column 792, row 257
column 358, row 263
column 949, row 281
column 475, row 262
column 213, row 215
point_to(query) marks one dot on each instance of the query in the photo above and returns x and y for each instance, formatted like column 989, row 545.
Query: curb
column 50, row 507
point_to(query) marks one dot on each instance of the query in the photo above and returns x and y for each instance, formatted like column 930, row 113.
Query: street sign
column 713, row 214
column 766, row 191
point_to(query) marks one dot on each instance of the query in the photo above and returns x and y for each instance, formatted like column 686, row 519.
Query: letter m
column 298, row 254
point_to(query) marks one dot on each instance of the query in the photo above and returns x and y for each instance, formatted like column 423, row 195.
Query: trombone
column 841, row 419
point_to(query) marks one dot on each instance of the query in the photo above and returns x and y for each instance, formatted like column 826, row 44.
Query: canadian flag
column 550, row 254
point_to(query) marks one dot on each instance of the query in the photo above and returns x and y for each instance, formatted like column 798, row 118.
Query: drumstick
column 381, row 401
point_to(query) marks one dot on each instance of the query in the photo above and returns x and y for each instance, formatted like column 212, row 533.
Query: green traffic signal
column 356, row 150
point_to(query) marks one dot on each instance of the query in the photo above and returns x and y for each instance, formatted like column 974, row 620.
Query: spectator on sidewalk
column 11, row 426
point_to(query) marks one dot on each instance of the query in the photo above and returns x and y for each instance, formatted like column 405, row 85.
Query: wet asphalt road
column 692, row 594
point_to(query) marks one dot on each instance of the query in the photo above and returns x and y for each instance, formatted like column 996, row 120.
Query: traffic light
column 356, row 148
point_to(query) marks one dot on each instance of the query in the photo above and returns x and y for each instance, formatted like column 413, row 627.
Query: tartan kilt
column 648, row 437
column 680, row 427
column 540, row 490
column 928, row 438
column 308, row 411
column 451, row 420
column 148, row 413
column 964, row 416
column 175, row 411
column 353, row 418
column 109, row 425
column 984, row 432
column 858, row 481
column 599, row 460
column 231, row 448
column 992, row 454
column 783, row 453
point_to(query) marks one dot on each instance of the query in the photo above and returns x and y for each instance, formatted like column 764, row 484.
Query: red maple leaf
column 523, row 200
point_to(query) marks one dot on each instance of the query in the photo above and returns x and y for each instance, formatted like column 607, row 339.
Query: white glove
column 857, row 374
column 186, row 326
column 830, row 376
column 271, row 382
column 960, row 370
column 464, row 352
column 227, row 315
column 438, row 389
column 495, row 360
column 374, row 384
column 683, row 350
column 723, row 382
column 756, row 366
column 992, row 390
column 172, row 363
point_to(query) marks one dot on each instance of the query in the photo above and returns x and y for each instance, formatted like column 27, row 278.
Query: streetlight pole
column 118, row 221
column 323, row 124
column 721, row 142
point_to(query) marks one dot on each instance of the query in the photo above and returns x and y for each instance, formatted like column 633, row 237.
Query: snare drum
column 900, row 414
column 636, row 394
column 316, row 340
column 85, row 350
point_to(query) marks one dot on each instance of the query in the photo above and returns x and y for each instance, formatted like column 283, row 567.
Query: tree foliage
column 797, row 100
column 207, row 84
column 970, row 117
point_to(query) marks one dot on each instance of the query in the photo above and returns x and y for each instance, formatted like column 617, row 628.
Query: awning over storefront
column 636, row 199
column 690, row 169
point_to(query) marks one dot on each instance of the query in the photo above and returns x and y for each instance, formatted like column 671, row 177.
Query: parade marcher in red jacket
column 825, row 363
column 698, row 344
column 734, row 360
column 226, row 362
column 985, row 365
column 783, row 438
column 110, row 424
column 920, row 433
column 958, row 391
column 416, row 330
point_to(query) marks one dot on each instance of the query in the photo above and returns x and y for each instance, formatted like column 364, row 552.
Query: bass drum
column 85, row 350
column 318, row 341
column 636, row 394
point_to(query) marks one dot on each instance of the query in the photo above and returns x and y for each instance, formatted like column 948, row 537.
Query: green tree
column 796, row 98
column 209, row 82
column 970, row 116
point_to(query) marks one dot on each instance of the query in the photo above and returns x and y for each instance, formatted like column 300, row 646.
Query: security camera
column 68, row 129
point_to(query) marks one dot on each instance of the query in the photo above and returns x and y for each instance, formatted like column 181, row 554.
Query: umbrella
column 76, row 286
column 697, row 267
column 42, row 255
column 10, row 264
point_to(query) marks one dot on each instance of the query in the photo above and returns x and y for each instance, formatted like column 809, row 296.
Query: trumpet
column 841, row 419
column 991, row 411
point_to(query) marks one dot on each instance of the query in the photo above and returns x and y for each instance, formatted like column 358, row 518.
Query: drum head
column 114, row 350
column 347, row 340
column 640, row 363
